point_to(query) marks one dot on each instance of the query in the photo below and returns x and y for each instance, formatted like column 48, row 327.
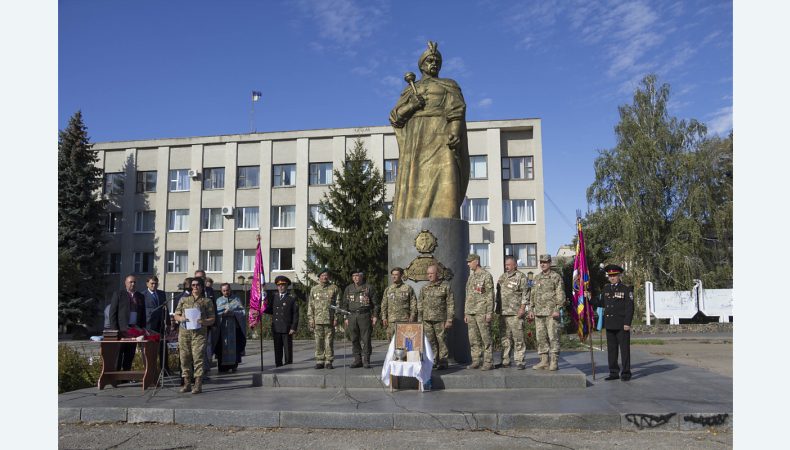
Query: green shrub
column 75, row 370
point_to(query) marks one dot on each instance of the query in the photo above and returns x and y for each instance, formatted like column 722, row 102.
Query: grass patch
column 647, row 342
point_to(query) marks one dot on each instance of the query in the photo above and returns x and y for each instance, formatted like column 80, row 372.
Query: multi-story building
column 180, row 204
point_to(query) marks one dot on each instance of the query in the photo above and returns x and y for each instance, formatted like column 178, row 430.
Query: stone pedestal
column 451, row 249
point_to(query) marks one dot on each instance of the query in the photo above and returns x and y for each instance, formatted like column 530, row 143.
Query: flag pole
column 588, row 307
column 260, row 296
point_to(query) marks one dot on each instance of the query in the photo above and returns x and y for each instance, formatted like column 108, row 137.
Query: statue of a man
column 430, row 125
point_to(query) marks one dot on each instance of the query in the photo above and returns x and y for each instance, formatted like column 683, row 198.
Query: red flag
column 259, row 304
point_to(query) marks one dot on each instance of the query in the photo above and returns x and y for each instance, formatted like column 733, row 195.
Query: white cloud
column 345, row 22
column 485, row 103
column 454, row 66
column 720, row 122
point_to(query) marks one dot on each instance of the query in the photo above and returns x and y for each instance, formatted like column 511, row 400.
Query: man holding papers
column 194, row 314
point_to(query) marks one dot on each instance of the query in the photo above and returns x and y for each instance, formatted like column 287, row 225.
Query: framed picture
column 408, row 336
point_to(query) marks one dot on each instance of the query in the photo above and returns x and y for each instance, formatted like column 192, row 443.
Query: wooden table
column 109, row 357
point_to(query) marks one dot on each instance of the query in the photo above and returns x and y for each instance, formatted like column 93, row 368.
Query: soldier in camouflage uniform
column 321, row 319
column 546, row 299
column 512, row 291
column 360, row 300
column 436, row 309
column 398, row 304
column 478, row 309
column 192, row 343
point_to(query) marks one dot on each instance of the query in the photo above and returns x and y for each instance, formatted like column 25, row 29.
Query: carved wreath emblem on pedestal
column 425, row 243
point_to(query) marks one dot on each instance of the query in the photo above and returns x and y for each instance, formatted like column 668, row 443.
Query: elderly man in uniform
column 285, row 321
column 192, row 343
column 546, row 300
column 617, row 300
column 436, row 309
column 398, row 304
column 359, row 300
column 512, row 291
column 321, row 319
column 478, row 309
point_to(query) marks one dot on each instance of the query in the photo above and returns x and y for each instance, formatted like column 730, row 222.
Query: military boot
column 198, row 385
column 543, row 364
column 357, row 363
column 187, row 386
column 553, row 363
column 366, row 362
column 474, row 365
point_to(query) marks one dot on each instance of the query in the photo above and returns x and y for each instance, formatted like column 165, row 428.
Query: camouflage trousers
column 547, row 334
column 324, row 343
column 512, row 329
column 480, row 338
column 435, row 332
column 192, row 352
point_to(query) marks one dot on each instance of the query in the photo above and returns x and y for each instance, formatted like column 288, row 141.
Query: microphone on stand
column 340, row 310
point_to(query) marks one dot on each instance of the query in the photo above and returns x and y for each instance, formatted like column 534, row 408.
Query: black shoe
column 328, row 366
column 441, row 367
column 521, row 366
column 355, row 364
column 319, row 366
column 626, row 377
column 612, row 377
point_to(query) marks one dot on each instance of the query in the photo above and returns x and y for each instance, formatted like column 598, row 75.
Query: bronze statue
column 430, row 125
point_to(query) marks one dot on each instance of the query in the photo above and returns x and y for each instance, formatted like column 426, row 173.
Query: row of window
column 211, row 260
column 473, row 210
column 283, row 175
column 282, row 259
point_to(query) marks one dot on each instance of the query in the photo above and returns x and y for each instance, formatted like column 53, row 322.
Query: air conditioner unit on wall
column 227, row 210
column 193, row 173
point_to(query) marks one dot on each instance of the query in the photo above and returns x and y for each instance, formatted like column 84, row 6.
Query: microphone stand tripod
column 163, row 371
column 343, row 391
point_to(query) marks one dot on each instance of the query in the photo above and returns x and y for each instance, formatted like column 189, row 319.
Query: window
column 144, row 221
column 478, row 167
column 211, row 260
column 526, row 254
column 177, row 261
column 143, row 262
column 211, row 219
column 517, row 168
column 390, row 170
column 366, row 165
column 113, row 183
column 213, row 178
column 245, row 260
column 518, row 211
column 475, row 210
column 248, row 177
column 177, row 220
column 146, row 181
column 321, row 173
column 247, row 218
column 284, row 175
column 318, row 217
column 482, row 250
column 282, row 259
column 113, row 263
column 284, row 216
column 114, row 221
column 179, row 180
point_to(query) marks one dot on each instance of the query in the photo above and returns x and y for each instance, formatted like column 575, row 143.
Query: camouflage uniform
column 479, row 302
column 546, row 297
column 398, row 305
column 361, row 303
column 436, row 306
column 512, row 291
column 192, row 343
column 319, row 314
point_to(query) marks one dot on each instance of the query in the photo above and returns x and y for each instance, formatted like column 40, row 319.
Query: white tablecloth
column 419, row 370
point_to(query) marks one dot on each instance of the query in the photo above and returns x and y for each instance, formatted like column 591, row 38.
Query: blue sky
column 146, row 69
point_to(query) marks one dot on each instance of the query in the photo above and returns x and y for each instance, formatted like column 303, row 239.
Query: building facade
column 180, row 204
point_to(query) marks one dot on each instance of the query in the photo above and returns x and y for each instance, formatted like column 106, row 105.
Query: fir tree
column 356, row 235
column 81, row 214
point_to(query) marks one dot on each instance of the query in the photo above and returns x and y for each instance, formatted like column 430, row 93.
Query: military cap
column 357, row 271
column 282, row 279
column 472, row 257
column 613, row 269
column 545, row 257
column 323, row 271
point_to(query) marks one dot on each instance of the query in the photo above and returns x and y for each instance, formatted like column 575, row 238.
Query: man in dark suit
column 127, row 309
column 156, row 317
column 617, row 300
column 285, row 320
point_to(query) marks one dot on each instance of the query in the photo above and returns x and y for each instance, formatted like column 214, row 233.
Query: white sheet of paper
column 133, row 318
column 192, row 315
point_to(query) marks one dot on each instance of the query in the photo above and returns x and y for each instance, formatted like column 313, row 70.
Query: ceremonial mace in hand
column 409, row 77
